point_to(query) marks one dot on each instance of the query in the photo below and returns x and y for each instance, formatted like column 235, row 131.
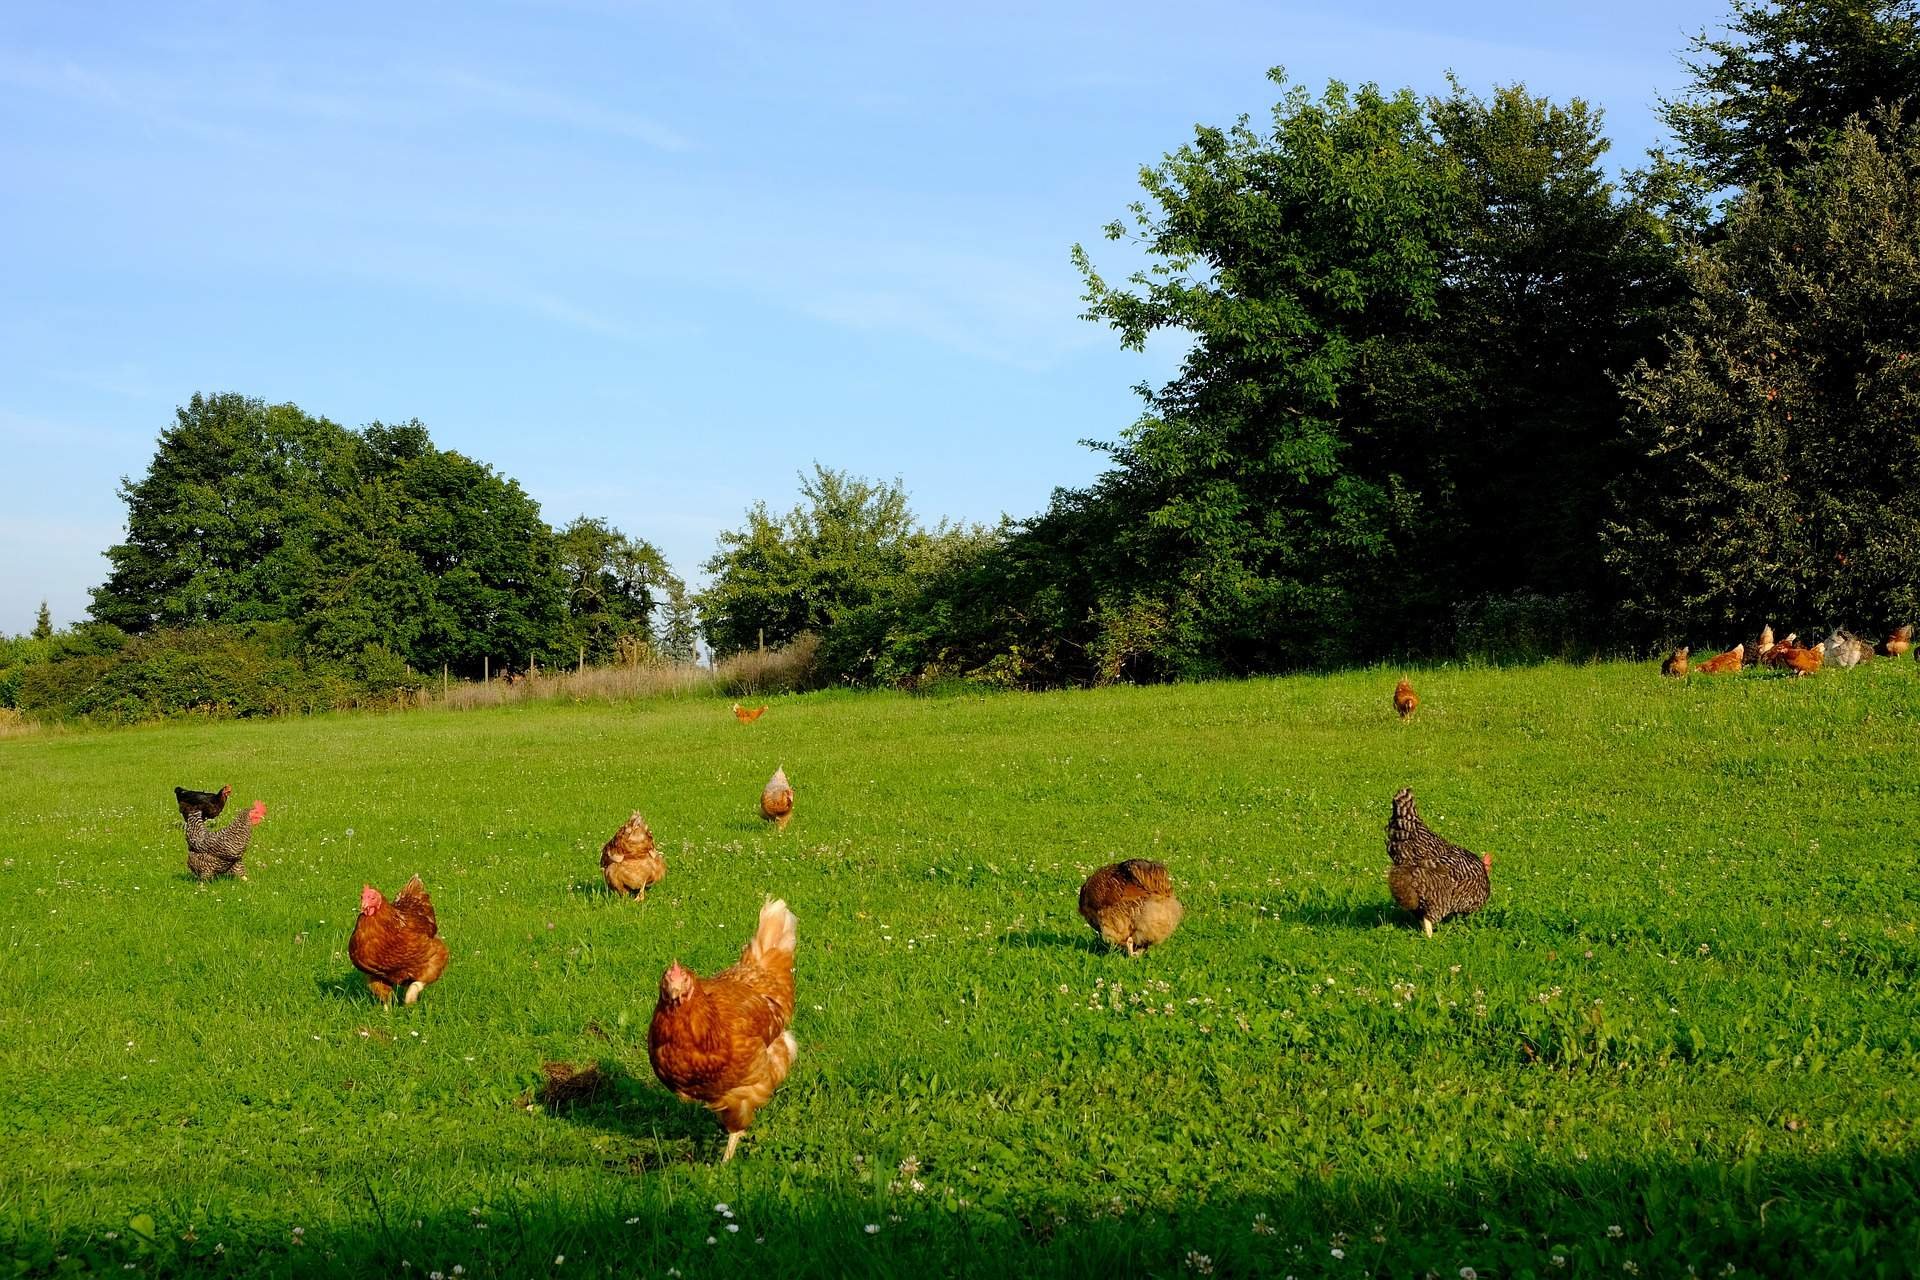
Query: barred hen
column 398, row 943
column 723, row 1041
column 213, row 853
column 1131, row 904
column 630, row 862
column 1404, row 698
column 1677, row 664
column 776, row 801
column 1430, row 876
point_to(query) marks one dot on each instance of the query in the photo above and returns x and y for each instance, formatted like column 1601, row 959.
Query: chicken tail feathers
column 776, row 936
column 1149, row 875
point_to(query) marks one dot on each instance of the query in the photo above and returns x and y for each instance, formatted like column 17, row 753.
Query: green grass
column 1685, row 1032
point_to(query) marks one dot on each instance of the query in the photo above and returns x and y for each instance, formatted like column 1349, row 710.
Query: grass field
column 1684, row 1037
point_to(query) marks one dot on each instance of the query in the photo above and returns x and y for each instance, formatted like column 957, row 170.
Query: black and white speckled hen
column 1432, row 877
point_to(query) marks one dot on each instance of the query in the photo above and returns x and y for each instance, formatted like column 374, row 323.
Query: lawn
column 1684, row 1035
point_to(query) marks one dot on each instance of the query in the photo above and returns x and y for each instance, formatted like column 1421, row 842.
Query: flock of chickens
column 723, row 1041
column 1838, row 650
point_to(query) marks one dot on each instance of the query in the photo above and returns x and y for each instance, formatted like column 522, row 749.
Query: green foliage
column 1785, row 77
column 849, row 545
column 43, row 623
column 614, row 585
column 1780, row 435
column 214, row 671
column 1684, row 1034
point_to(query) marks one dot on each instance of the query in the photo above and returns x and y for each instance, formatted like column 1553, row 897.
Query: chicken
column 630, row 862
column 1431, row 877
column 1677, row 664
column 1790, row 657
column 776, row 802
column 1764, row 645
column 1900, row 642
column 398, row 943
column 1131, row 904
column 213, row 853
column 1404, row 698
column 745, row 716
column 723, row 1041
column 1723, row 663
column 207, row 803
column 1844, row 651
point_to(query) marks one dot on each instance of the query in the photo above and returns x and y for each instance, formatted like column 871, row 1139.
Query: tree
column 1780, row 435
column 679, row 628
column 842, row 546
column 1508, row 413
column 43, row 623
column 614, row 585
column 439, row 558
column 1786, row 77
column 1254, row 506
column 221, row 528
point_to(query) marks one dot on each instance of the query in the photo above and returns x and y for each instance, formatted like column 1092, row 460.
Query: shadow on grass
column 1345, row 915
column 656, row 1128
column 1844, row 1214
column 1079, row 940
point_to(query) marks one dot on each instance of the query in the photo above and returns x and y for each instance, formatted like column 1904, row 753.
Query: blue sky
column 649, row 260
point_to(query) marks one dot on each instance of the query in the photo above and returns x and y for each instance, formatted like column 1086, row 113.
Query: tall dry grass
column 789, row 670
column 15, row 725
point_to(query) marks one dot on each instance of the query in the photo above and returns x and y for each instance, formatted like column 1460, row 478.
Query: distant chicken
column 630, row 862
column 1723, row 663
column 1431, row 877
column 1677, row 664
column 723, row 1041
column 398, row 943
column 1844, row 651
column 1764, row 645
column 213, row 853
column 776, row 802
column 1790, row 657
column 1131, row 904
column 745, row 716
column 1900, row 642
column 1404, row 698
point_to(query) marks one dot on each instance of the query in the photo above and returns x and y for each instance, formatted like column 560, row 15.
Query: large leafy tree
column 1781, row 432
column 439, row 558
column 221, row 527
column 846, row 543
column 614, row 586
column 1254, row 505
column 1554, row 285
column 1784, row 76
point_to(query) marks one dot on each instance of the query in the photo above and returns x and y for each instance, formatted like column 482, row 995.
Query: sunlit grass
column 1689, row 1011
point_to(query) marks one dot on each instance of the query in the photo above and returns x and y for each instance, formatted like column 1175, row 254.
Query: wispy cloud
column 559, row 108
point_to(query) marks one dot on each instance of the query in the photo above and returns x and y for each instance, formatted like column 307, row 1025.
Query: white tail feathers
column 778, row 933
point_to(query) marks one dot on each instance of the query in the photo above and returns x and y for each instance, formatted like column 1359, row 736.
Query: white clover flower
column 1338, row 1253
column 1614, row 1232
column 873, row 1228
column 733, row 1226
column 1468, row 1273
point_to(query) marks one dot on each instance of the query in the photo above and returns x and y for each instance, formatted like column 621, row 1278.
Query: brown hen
column 745, row 716
column 1677, row 664
column 1791, row 657
column 723, row 1041
column 1724, row 663
column 1432, row 877
column 776, row 801
column 1900, row 642
column 630, row 862
column 1404, row 698
column 1131, row 904
column 397, row 944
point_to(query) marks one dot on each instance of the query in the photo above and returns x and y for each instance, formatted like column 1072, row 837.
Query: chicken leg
column 733, row 1141
column 414, row 989
column 1426, row 925
column 381, row 991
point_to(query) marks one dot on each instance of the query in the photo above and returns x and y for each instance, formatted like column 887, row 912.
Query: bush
column 793, row 669
column 1522, row 628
